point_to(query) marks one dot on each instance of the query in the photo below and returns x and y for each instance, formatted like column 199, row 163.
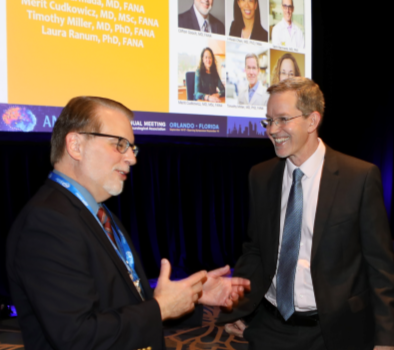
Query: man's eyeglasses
column 281, row 121
column 122, row 145
column 287, row 7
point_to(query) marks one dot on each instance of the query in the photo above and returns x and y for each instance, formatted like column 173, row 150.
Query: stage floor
column 209, row 336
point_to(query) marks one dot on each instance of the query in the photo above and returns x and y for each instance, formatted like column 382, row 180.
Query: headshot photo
column 247, row 19
column 202, row 70
column 247, row 75
column 286, row 65
column 287, row 23
column 202, row 15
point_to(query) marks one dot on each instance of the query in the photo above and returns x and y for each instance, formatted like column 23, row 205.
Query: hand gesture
column 177, row 298
column 220, row 290
column 214, row 98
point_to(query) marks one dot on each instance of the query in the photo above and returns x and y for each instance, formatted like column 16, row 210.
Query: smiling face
column 297, row 139
column 102, row 167
column 207, row 59
column 203, row 6
column 252, row 71
column 248, row 8
column 287, row 69
column 287, row 8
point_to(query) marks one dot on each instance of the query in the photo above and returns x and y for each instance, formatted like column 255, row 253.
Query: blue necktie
column 290, row 248
column 205, row 27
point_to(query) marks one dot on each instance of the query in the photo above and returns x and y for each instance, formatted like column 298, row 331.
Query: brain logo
column 19, row 119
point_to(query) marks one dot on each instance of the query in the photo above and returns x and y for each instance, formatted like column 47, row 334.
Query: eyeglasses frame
column 268, row 121
column 133, row 147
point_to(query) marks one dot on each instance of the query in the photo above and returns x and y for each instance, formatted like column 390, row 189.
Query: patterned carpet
column 206, row 337
column 209, row 336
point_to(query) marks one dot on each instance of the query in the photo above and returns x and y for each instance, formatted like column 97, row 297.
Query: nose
column 273, row 129
column 129, row 157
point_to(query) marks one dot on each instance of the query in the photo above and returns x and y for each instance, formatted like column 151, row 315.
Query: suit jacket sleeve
column 235, row 29
column 242, row 95
column 188, row 20
column 57, row 270
column 198, row 94
column 217, row 25
column 377, row 251
column 275, row 36
column 249, row 265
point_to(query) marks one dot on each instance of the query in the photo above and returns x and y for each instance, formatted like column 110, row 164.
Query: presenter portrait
column 286, row 32
column 247, row 22
column 286, row 67
column 199, row 17
column 254, row 93
column 208, row 86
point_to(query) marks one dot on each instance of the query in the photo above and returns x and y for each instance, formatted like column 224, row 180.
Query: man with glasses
column 199, row 18
column 75, row 277
column 320, row 256
column 254, row 93
column 286, row 33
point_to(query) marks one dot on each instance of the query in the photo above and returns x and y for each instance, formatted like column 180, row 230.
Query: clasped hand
column 213, row 288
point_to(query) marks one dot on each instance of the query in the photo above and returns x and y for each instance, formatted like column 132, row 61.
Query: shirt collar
column 200, row 18
column 85, row 193
column 311, row 165
column 254, row 88
column 285, row 23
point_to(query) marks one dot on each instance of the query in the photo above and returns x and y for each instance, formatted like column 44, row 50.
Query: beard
column 114, row 188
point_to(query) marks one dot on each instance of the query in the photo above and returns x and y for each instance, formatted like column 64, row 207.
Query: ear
column 314, row 121
column 74, row 144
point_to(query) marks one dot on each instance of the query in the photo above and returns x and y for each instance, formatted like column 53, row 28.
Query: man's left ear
column 314, row 118
column 74, row 145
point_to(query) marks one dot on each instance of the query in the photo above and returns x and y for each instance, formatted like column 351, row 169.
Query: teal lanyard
column 124, row 251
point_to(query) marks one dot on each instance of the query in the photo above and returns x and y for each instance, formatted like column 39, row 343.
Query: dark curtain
column 186, row 199
column 352, row 64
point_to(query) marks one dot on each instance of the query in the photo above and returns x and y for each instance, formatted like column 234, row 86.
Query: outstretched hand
column 176, row 298
column 220, row 290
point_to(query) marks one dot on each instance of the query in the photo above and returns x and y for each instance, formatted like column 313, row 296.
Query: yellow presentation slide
column 58, row 49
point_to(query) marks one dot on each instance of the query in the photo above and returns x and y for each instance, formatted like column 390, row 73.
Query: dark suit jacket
column 352, row 262
column 258, row 32
column 206, row 85
column 188, row 20
column 69, row 286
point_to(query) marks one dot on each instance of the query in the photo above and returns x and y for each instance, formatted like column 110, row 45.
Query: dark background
column 187, row 198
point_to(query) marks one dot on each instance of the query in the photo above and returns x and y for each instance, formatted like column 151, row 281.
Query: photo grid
column 230, row 51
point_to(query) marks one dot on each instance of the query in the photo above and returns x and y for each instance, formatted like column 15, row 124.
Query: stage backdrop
column 145, row 54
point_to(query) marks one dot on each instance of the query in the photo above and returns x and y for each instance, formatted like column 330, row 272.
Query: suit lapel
column 99, row 233
column 103, row 239
column 194, row 19
column 274, row 199
column 328, row 186
column 139, row 269
column 141, row 274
